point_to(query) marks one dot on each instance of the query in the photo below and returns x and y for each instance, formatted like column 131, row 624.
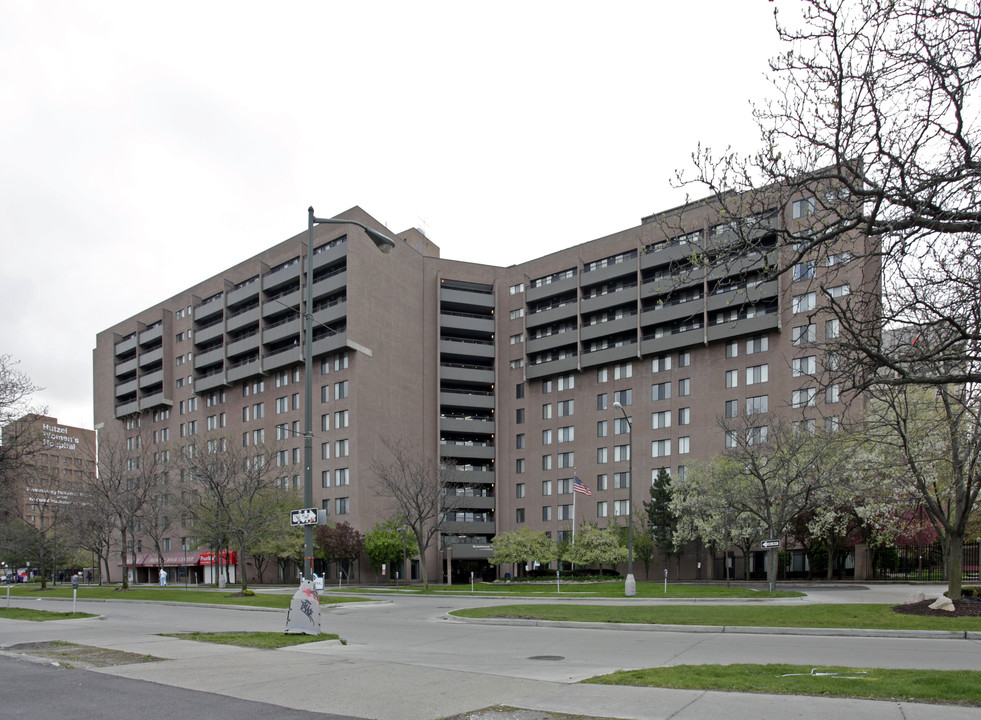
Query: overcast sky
column 504, row 130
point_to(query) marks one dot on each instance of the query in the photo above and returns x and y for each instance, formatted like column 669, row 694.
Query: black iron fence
column 922, row 563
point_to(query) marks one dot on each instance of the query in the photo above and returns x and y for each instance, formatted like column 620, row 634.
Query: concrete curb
column 734, row 629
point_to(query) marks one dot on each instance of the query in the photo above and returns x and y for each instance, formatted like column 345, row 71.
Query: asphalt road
column 405, row 660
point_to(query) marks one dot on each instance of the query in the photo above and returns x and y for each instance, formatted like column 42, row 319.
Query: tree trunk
column 125, row 559
column 954, row 566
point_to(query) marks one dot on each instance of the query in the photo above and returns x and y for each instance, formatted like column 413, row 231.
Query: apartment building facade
column 509, row 373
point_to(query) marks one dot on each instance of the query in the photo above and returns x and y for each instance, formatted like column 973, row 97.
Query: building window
column 519, row 441
column 546, row 487
column 804, row 208
column 832, row 423
column 601, row 401
column 325, row 478
column 831, row 394
column 516, row 289
column 732, row 349
column 324, row 393
column 803, row 366
column 566, row 408
column 662, row 363
column 546, row 437
column 519, row 416
column 342, row 448
column 832, row 329
column 546, row 513
column 519, row 391
column 731, row 438
column 661, row 448
column 601, row 375
column 547, row 411
column 622, row 371
column 804, row 334
column 621, row 453
column 516, row 314
column 684, row 387
column 601, row 508
column 566, row 434
column 661, row 391
column 839, row 290
column 732, row 378
column 519, row 516
column 519, row 490
column 621, row 480
column 757, row 405
column 601, row 455
column 756, row 435
column 756, row 374
column 624, row 397
column 804, row 270
column 601, row 428
column 565, row 512
column 567, row 460
column 684, row 445
column 341, row 390
column 621, row 508
column 567, row 382
column 516, row 338
column 546, row 387
column 804, row 303
column 325, row 450
column 519, row 466
column 805, row 426
column 684, row 358
column 684, row 416
column 564, row 486
column 342, row 506
column 342, row 476
column 282, row 405
column 661, row 420
column 757, row 344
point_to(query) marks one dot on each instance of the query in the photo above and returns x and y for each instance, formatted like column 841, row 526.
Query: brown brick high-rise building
column 510, row 372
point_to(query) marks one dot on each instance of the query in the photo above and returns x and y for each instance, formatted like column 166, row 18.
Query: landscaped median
column 845, row 616
column 276, row 600
column 587, row 590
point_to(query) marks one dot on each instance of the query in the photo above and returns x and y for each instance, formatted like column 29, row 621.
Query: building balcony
column 151, row 335
column 210, row 381
column 209, row 333
column 281, row 331
column 208, row 309
column 673, row 283
column 153, row 400
column 610, row 272
column 330, row 314
column 556, row 314
column 244, row 293
column 550, row 342
column 742, row 296
column 476, row 400
column 278, row 278
column 623, row 296
column 466, row 322
column 746, row 326
column 242, row 370
column 469, row 502
column 124, row 389
column 149, row 358
column 244, row 345
column 127, row 408
column 124, row 368
column 282, row 358
column 125, row 346
column 290, row 302
column 457, row 527
column 610, row 327
column 475, row 475
column 453, row 296
column 668, row 313
column 475, row 426
column 466, row 348
column 466, row 373
column 150, row 379
column 533, row 294
column 668, row 254
column 329, row 285
column 202, row 360
column 461, row 450
column 237, row 322
column 329, row 344
column 656, row 346
column 609, row 355
column 553, row 367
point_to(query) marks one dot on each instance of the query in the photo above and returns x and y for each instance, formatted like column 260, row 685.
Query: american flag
column 579, row 486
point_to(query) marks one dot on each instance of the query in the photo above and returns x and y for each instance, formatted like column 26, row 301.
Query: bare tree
column 232, row 495
column 417, row 487
column 127, row 479
column 20, row 438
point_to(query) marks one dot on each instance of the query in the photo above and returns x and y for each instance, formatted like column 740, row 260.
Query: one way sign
column 305, row 516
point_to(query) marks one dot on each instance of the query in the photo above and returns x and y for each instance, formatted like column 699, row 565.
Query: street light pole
column 630, row 587
column 383, row 243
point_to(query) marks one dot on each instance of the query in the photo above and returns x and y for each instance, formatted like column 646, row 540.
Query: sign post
column 771, row 546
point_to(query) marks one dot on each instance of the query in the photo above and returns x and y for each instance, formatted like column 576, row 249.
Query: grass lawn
column 603, row 590
column 262, row 640
column 39, row 615
column 879, row 617
column 173, row 594
column 936, row 686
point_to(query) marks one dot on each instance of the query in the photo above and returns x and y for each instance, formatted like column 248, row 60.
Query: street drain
column 546, row 657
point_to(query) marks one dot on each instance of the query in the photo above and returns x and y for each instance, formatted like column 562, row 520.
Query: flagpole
column 574, row 493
